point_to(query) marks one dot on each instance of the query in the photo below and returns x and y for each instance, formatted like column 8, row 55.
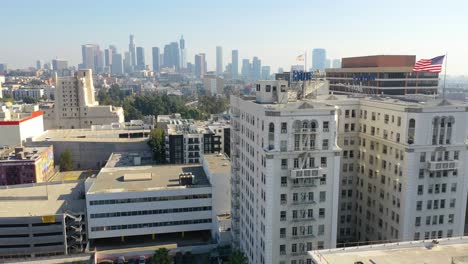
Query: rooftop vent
column 137, row 177
column 186, row 179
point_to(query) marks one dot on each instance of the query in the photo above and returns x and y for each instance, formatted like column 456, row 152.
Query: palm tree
column 161, row 256
column 237, row 257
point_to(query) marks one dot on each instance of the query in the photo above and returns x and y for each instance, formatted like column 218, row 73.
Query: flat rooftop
column 218, row 163
column 161, row 177
column 449, row 249
column 86, row 135
column 8, row 155
column 41, row 199
column 127, row 159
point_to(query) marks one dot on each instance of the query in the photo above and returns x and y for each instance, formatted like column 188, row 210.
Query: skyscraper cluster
column 320, row 62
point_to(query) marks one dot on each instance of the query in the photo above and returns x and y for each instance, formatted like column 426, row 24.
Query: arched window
column 435, row 130
column 314, row 125
column 271, row 128
column 450, row 123
column 271, row 136
column 411, row 130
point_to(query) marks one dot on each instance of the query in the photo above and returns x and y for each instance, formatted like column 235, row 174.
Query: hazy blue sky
column 275, row 31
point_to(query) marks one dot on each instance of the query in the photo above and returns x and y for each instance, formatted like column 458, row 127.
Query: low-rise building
column 91, row 148
column 26, row 165
column 41, row 220
column 188, row 140
column 19, row 122
column 126, row 199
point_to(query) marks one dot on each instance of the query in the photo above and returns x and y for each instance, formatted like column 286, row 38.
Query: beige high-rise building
column 76, row 107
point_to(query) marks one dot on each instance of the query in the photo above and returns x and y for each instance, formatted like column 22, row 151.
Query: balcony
column 302, row 219
column 303, row 184
column 305, row 173
column 305, row 201
column 302, row 236
column 305, row 130
column 442, row 165
column 299, row 253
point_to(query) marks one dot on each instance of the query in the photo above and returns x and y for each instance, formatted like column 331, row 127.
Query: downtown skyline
column 384, row 30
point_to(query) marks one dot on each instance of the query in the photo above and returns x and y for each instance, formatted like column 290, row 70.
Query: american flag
column 429, row 65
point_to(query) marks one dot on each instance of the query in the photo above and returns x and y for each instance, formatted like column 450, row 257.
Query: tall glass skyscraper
column 319, row 58
column 235, row 64
column 156, row 61
column 140, row 58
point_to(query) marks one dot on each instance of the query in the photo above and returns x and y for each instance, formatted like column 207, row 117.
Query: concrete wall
column 91, row 155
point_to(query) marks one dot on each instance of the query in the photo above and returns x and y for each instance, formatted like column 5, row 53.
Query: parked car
column 142, row 260
column 121, row 260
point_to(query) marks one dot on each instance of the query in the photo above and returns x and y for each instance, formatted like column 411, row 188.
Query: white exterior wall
column 257, row 188
column 13, row 135
column 403, row 167
column 125, row 207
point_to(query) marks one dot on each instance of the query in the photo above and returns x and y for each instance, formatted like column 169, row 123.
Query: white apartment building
column 75, row 105
column 285, row 175
column 403, row 168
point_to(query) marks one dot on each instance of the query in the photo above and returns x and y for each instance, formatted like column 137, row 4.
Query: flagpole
column 445, row 77
column 305, row 61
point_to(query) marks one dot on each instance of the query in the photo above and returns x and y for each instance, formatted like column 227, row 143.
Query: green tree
column 161, row 256
column 157, row 145
column 192, row 113
column 237, row 257
column 66, row 161
column 212, row 104
column 29, row 100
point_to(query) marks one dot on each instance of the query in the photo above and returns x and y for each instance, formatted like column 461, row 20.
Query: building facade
column 284, row 175
column 19, row 122
column 42, row 220
column 26, row 165
column 382, row 74
column 154, row 200
column 401, row 171
column 75, row 105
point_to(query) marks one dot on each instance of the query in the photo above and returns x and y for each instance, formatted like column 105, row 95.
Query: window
column 429, row 204
column 284, row 163
column 322, row 196
column 322, row 212
column 326, row 126
column 418, row 205
column 325, row 144
column 282, row 232
column 450, row 218
column 321, row 229
column 454, row 187
column 452, row 203
column 293, row 248
column 282, row 249
column 323, row 162
column 420, row 189
column 283, row 198
column 283, row 216
column 284, row 181
column 284, row 128
column 418, row 221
